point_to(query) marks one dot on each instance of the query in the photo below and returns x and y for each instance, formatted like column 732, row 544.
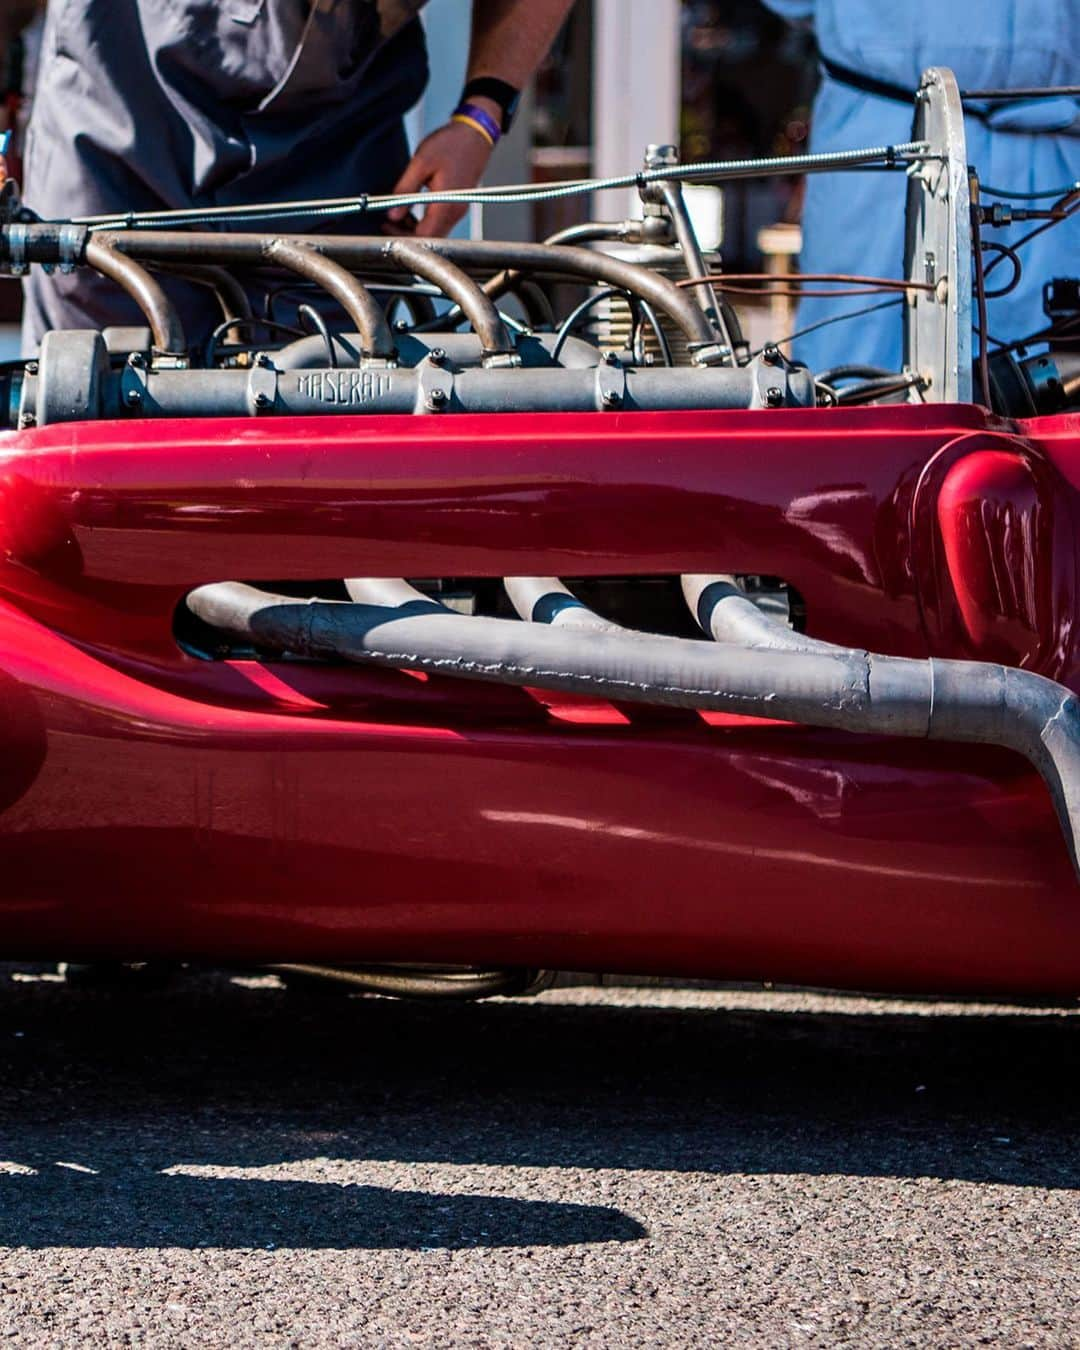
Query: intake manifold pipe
column 231, row 297
column 115, row 252
column 166, row 328
column 376, row 340
column 842, row 689
column 418, row 259
column 358, row 253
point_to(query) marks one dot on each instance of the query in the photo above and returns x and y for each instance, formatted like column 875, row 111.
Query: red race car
column 705, row 666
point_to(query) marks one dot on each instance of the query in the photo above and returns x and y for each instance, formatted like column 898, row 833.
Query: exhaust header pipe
column 838, row 687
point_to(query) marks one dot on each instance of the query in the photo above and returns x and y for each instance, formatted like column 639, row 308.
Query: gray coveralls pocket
column 243, row 11
column 327, row 57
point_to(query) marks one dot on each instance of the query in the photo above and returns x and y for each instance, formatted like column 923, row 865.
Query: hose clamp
column 501, row 360
column 434, row 388
column 610, row 385
column 72, row 241
column 262, row 387
column 17, row 236
column 711, row 354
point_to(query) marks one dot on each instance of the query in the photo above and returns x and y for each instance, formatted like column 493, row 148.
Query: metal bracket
column 771, row 373
column 434, row 387
column 937, row 324
column 262, row 387
column 133, row 384
column 610, row 385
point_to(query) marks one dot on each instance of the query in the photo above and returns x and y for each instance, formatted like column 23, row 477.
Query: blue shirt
column 855, row 222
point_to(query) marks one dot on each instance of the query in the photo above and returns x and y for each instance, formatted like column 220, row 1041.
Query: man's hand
column 509, row 39
column 454, row 156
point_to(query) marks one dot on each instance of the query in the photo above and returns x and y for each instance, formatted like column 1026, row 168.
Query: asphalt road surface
column 225, row 1163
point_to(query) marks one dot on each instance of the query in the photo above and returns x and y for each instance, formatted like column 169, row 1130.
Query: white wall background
column 447, row 26
column 636, row 91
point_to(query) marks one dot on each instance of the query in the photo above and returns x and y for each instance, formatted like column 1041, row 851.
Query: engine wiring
column 854, row 371
column 310, row 315
column 767, row 284
column 983, row 323
column 1004, row 251
column 1063, row 208
column 271, row 325
column 825, row 323
column 647, row 312
column 1043, row 195
column 1062, row 334
column 871, row 390
column 579, row 312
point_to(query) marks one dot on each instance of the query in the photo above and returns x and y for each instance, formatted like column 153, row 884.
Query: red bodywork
column 157, row 805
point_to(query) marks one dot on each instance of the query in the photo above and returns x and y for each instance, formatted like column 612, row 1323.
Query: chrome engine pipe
column 588, row 232
column 359, row 253
column 847, row 690
column 232, row 299
column 352, row 253
column 414, row 257
column 720, row 314
column 165, row 324
column 376, row 340
column 594, row 267
column 510, row 282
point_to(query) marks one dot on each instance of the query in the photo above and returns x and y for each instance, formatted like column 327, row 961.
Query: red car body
column 157, row 805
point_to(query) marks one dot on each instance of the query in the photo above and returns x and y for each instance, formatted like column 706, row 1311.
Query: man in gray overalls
column 145, row 104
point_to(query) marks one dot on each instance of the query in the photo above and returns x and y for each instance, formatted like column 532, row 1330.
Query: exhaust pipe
column 839, row 688
column 726, row 613
column 547, row 600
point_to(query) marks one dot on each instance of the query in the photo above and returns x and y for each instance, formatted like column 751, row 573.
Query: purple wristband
column 483, row 120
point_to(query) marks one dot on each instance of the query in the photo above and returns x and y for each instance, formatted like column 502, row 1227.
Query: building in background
column 723, row 79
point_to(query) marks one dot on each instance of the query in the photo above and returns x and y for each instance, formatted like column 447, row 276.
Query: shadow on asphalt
column 211, row 1074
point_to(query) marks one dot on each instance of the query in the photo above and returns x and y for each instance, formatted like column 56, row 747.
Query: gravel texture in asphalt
column 225, row 1163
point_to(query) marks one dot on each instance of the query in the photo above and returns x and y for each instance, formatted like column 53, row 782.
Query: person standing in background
column 872, row 57
column 151, row 104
